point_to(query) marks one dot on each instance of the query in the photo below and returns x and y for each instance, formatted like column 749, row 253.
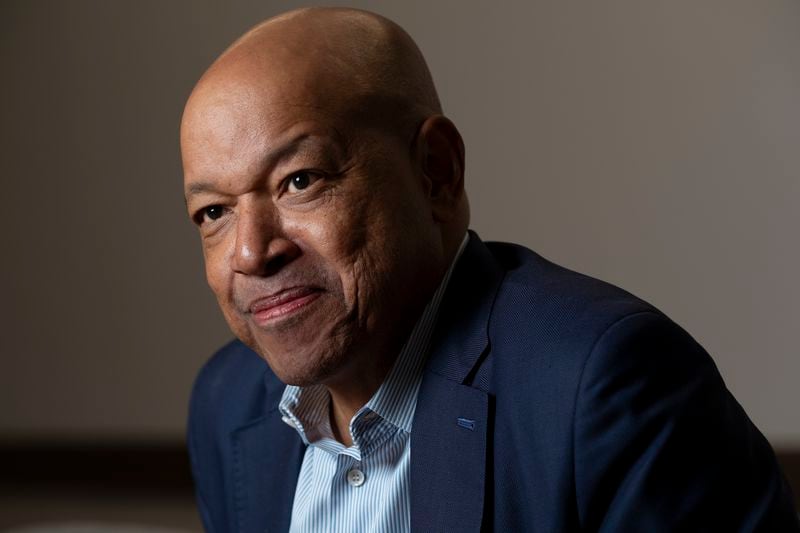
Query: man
column 435, row 382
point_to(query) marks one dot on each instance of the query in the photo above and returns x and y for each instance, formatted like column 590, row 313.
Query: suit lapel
column 448, row 457
column 451, row 424
column 267, row 455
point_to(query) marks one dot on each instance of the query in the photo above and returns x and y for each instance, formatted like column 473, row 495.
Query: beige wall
column 651, row 144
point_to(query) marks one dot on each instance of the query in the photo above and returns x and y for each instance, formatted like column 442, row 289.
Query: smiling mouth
column 286, row 303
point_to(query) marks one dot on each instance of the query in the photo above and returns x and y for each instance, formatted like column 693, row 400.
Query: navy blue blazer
column 587, row 410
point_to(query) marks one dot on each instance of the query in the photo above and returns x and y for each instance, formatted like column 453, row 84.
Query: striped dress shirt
column 364, row 487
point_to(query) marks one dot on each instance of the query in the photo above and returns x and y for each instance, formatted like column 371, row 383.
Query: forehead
column 230, row 122
column 274, row 77
column 236, row 106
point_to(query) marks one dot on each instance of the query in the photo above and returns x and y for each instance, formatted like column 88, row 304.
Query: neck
column 342, row 412
column 350, row 395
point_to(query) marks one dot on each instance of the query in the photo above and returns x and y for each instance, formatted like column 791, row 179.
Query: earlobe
column 441, row 152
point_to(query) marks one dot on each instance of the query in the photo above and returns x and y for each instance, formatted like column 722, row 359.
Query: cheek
column 366, row 241
column 219, row 276
column 218, row 273
column 337, row 239
column 336, row 231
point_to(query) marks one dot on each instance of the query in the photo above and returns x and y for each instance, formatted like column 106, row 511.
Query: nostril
column 275, row 264
column 265, row 259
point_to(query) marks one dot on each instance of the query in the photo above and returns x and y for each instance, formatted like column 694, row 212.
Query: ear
column 441, row 157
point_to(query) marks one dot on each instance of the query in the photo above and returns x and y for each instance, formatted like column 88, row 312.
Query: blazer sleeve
column 661, row 445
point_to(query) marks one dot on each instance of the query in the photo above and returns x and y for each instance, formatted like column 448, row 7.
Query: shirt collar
column 307, row 408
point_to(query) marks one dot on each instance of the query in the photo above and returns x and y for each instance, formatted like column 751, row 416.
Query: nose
column 261, row 248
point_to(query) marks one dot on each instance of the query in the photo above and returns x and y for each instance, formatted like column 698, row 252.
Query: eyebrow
column 298, row 144
column 197, row 188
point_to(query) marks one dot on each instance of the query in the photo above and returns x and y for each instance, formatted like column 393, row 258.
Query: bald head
column 349, row 61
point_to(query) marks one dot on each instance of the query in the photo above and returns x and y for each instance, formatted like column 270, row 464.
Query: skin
column 328, row 192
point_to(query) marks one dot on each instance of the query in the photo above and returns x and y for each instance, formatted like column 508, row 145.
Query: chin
column 304, row 371
column 298, row 361
column 309, row 347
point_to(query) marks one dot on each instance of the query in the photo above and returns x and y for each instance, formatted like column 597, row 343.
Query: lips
column 282, row 304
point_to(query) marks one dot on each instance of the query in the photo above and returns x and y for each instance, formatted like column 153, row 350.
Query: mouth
column 268, row 310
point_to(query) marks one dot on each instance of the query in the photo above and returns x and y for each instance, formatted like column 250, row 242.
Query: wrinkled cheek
column 220, row 280
column 333, row 240
column 352, row 257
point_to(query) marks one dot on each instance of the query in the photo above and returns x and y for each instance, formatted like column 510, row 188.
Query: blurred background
column 651, row 144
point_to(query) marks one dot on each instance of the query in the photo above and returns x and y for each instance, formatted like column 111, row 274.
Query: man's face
column 318, row 238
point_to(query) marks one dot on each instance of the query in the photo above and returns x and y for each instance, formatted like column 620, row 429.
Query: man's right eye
column 209, row 214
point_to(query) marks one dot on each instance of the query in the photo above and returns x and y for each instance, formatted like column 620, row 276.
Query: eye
column 209, row 214
column 301, row 180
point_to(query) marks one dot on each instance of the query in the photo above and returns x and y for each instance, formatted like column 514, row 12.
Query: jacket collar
column 449, row 435
column 462, row 331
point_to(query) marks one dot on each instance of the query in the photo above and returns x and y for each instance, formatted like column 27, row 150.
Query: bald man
column 395, row 373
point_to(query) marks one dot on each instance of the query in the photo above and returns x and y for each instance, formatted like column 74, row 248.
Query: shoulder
column 571, row 333
column 232, row 366
column 630, row 398
column 545, row 306
column 570, row 343
column 530, row 273
column 230, row 389
column 234, row 361
column 548, row 315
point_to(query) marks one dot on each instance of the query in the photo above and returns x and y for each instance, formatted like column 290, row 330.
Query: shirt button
column 355, row 477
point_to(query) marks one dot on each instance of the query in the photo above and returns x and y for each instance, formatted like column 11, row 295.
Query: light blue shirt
column 364, row 487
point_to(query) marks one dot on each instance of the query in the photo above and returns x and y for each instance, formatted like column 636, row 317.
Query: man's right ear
column 440, row 152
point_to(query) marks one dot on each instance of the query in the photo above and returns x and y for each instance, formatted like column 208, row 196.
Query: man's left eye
column 301, row 180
